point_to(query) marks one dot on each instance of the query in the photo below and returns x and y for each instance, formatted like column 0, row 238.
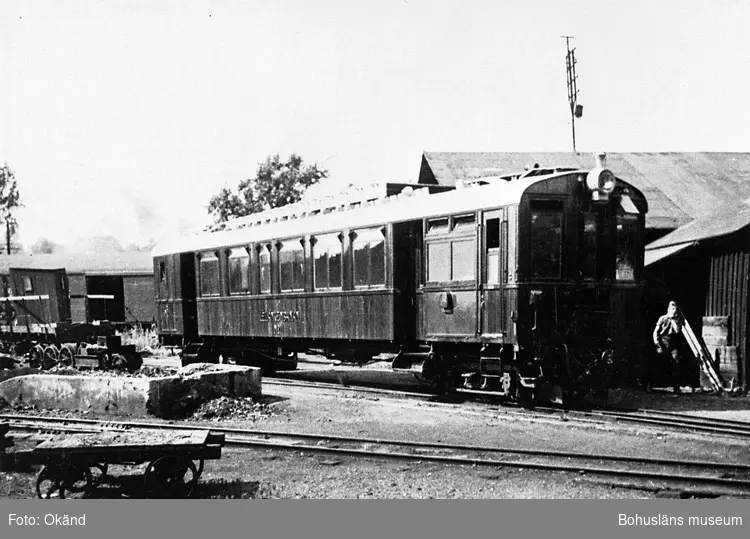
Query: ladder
column 701, row 352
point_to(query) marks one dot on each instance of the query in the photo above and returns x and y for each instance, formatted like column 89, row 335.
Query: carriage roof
column 300, row 219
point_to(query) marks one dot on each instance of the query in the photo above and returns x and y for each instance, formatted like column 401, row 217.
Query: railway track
column 651, row 418
column 707, row 478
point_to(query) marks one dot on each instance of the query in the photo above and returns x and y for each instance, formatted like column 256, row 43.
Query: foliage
column 276, row 183
column 43, row 246
column 9, row 201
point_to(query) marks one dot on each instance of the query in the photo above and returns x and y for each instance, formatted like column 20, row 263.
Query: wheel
column 48, row 482
column 170, row 477
column 67, row 356
column 37, row 355
column 134, row 361
column 98, row 472
column 117, row 361
column 51, row 356
column 76, row 480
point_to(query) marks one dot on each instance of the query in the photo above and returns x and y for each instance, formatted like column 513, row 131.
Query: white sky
column 123, row 118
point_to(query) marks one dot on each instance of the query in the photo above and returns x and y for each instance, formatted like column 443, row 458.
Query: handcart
column 74, row 464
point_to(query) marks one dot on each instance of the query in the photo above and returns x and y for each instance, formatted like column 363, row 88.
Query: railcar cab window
column 292, row 265
column 451, row 249
column 546, row 239
column 209, row 274
column 264, row 265
column 28, row 287
column 368, row 247
column 327, row 267
column 625, row 247
column 239, row 266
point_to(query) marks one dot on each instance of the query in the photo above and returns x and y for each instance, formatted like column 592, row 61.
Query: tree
column 276, row 183
column 9, row 201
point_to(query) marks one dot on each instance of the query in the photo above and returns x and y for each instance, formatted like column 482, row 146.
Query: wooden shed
column 705, row 265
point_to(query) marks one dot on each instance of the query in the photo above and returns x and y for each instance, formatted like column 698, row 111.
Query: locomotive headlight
column 601, row 181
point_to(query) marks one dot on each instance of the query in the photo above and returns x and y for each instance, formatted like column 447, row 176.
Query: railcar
column 499, row 285
column 36, row 320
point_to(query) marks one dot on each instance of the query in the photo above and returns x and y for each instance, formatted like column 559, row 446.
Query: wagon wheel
column 117, row 361
column 76, row 480
column 171, row 477
column 67, row 356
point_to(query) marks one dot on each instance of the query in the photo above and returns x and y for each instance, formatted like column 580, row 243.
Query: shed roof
column 125, row 263
column 727, row 219
column 679, row 186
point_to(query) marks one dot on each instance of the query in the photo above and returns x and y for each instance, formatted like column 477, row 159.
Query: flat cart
column 74, row 464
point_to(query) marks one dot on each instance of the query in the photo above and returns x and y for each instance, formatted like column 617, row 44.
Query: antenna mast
column 576, row 110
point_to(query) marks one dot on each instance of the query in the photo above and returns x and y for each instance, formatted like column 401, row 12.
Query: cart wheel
column 201, row 462
column 67, row 356
column 170, row 477
column 76, row 480
column 98, row 471
column 48, row 482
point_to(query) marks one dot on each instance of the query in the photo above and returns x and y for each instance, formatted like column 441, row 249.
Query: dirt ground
column 297, row 474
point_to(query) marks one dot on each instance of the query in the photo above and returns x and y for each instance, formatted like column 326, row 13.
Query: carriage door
column 492, row 275
column 449, row 295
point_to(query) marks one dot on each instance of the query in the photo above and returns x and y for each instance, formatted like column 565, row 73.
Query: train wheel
column 118, row 361
column 67, row 356
column 51, row 356
column 171, row 477
column 37, row 355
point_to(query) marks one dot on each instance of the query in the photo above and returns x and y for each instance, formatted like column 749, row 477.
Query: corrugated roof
column 679, row 186
column 126, row 263
column 654, row 255
column 726, row 219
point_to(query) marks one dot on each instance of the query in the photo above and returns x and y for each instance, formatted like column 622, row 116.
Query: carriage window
column 239, row 278
column 292, row 265
column 369, row 257
column 627, row 227
column 439, row 262
column 28, row 287
column 437, row 226
column 546, row 239
column 264, row 262
column 327, row 256
column 451, row 261
column 589, row 255
column 492, row 244
column 463, row 260
column 209, row 274
column 463, row 222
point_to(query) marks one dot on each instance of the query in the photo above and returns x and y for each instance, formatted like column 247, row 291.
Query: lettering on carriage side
column 279, row 316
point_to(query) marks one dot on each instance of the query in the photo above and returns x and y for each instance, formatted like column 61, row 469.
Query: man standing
column 668, row 339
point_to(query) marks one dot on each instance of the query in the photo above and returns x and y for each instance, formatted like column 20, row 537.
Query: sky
column 123, row 118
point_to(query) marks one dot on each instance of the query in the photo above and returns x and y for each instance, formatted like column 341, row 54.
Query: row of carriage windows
column 368, row 268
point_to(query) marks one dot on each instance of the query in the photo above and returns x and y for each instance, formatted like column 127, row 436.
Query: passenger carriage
column 491, row 287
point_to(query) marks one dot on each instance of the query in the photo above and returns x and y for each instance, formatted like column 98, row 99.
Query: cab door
column 449, row 293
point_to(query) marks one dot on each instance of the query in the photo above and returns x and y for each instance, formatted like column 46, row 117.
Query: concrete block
column 133, row 396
